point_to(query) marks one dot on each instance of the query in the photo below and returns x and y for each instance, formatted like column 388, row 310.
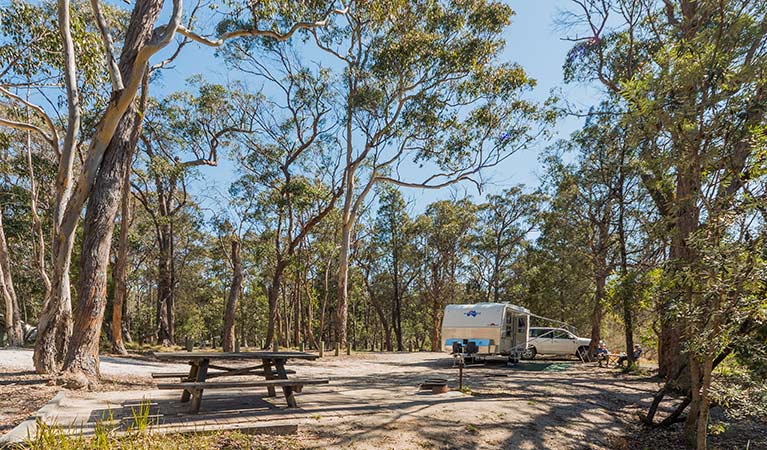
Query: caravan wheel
column 529, row 353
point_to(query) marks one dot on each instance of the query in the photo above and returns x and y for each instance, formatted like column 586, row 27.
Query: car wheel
column 529, row 353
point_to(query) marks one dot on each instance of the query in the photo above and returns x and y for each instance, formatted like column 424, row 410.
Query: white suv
column 554, row 341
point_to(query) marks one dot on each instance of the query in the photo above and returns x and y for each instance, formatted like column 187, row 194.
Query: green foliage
column 741, row 390
column 30, row 47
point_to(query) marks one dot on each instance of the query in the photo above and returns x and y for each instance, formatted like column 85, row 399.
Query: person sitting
column 637, row 353
column 601, row 353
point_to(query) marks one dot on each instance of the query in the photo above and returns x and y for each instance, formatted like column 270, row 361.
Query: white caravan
column 485, row 329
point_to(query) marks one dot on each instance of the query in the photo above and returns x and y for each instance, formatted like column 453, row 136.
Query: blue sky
column 533, row 41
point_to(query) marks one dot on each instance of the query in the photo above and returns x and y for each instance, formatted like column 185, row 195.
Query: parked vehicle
column 485, row 329
column 554, row 341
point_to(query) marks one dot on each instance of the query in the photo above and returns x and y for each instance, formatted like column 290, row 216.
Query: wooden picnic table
column 271, row 368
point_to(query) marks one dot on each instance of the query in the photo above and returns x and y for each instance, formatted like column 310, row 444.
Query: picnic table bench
column 271, row 368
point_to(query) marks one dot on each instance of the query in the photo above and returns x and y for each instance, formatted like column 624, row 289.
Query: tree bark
column 347, row 222
column 683, row 257
column 397, row 316
column 55, row 323
column 13, row 327
column 120, row 274
column 382, row 317
column 626, row 296
column 596, row 313
column 436, row 301
column 309, row 314
column 601, row 270
column 342, row 307
column 273, row 294
column 296, row 314
column 234, row 295
column 164, row 286
column 324, row 306
column 81, row 367
column 437, row 312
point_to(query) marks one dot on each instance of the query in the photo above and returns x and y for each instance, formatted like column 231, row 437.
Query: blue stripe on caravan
column 479, row 342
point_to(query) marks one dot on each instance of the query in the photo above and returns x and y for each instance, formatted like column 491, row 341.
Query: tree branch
column 106, row 39
column 256, row 32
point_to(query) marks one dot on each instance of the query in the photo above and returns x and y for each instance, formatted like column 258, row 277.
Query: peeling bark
column 82, row 362
column 81, row 366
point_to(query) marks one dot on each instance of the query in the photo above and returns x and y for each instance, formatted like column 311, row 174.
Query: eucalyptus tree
column 236, row 229
column 392, row 235
column 690, row 76
column 55, row 324
column 181, row 132
column 368, row 256
column 235, row 290
column 120, row 271
column 597, row 174
column 503, row 224
column 105, row 157
column 13, row 328
column 22, row 231
column 142, row 41
column 420, row 84
column 286, row 161
column 557, row 272
column 445, row 227
column 38, row 54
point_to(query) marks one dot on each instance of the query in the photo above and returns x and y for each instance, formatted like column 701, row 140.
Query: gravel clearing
column 543, row 404
column 21, row 360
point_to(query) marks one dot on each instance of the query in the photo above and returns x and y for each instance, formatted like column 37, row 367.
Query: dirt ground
column 23, row 392
column 543, row 404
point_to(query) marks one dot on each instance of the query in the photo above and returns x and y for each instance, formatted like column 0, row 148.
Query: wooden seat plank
column 189, row 356
column 170, row 374
column 237, row 384
column 214, row 374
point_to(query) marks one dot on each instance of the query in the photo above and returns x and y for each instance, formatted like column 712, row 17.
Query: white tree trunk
column 13, row 327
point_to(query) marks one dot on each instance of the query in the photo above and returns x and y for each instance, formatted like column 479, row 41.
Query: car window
column 560, row 334
column 545, row 332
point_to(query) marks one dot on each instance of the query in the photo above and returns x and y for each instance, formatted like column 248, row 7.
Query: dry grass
column 52, row 438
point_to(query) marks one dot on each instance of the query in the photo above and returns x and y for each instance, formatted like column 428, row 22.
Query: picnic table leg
column 268, row 375
column 287, row 390
column 202, row 373
column 195, row 366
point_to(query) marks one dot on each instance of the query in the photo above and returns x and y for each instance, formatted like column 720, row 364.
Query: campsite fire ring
column 435, row 385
